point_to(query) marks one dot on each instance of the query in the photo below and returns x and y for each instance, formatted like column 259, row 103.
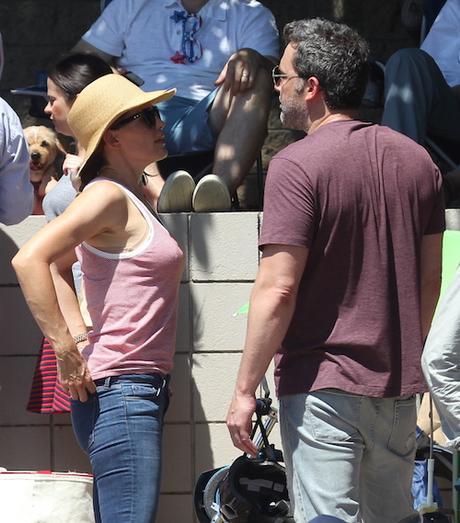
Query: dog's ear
column 28, row 131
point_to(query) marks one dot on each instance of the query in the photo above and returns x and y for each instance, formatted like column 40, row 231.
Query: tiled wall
column 222, row 258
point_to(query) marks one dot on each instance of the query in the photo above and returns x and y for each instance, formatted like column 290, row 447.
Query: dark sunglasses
column 149, row 117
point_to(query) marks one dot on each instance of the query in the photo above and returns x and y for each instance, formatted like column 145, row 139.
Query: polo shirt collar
column 217, row 10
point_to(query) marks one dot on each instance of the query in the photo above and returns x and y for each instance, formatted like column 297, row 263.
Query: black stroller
column 250, row 490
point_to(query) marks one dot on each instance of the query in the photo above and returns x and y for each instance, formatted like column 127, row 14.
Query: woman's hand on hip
column 74, row 375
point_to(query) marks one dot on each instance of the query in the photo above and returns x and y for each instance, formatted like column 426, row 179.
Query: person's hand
column 70, row 168
column 71, row 164
column 239, row 422
column 239, row 73
column 74, row 375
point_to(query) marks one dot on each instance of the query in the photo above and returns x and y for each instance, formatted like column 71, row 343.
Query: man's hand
column 74, row 375
column 239, row 422
column 240, row 71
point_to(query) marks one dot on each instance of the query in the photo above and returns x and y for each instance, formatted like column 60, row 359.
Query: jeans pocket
column 144, row 400
column 333, row 417
column 84, row 415
column 402, row 437
column 140, row 391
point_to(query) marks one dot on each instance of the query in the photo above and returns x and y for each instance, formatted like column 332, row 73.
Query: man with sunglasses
column 346, row 288
column 218, row 55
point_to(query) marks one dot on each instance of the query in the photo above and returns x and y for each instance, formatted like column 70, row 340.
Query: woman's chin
column 62, row 128
column 162, row 156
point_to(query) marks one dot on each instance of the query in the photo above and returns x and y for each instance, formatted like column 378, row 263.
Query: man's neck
column 193, row 6
column 329, row 117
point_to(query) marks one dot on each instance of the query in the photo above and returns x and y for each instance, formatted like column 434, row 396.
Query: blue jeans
column 120, row 427
column 349, row 456
column 186, row 124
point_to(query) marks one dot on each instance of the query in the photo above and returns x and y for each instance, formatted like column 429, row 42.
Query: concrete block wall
column 222, row 259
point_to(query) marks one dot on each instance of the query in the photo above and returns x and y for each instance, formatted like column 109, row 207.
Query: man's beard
column 293, row 114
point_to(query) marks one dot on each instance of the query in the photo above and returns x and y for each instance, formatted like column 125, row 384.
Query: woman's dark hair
column 74, row 72
column 335, row 54
column 93, row 166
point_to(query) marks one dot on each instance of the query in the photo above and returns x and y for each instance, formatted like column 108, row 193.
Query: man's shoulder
column 405, row 145
column 293, row 151
column 244, row 5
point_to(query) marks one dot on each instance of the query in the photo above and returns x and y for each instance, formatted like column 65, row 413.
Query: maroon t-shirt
column 360, row 197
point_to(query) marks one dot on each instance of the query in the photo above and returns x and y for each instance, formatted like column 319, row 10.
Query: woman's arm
column 100, row 208
column 63, row 279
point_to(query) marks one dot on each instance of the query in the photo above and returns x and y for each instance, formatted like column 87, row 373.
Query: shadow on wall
column 8, row 249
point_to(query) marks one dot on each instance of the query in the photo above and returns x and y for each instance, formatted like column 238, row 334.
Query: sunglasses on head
column 149, row 117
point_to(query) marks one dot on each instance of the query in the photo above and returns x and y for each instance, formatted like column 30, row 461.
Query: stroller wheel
column 209, row 493
column 205, row 491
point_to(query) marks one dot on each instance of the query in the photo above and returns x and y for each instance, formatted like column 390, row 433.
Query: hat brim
column 145, row 99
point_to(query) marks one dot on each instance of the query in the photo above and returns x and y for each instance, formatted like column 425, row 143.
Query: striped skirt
column 47, row 395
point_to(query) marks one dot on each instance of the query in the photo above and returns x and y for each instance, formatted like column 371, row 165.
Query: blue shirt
column 16, row 191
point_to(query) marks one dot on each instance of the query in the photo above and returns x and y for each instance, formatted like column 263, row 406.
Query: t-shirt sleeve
column 108, row 32
column 437, row 218
column 289, row 206
column 258, row 31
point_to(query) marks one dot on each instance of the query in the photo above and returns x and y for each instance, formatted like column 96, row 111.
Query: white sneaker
column 176, row 195
column 211, row 194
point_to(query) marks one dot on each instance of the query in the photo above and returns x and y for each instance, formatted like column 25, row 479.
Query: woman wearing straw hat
column 117, row 374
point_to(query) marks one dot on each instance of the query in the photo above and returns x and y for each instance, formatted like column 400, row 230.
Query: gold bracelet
column 80, row 337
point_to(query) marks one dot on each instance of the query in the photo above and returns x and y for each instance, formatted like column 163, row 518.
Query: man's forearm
column 268, row 62
column 270, row 314
column 430, row 279
column 429, row 300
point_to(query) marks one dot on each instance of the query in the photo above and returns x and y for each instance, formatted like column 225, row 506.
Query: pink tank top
column 132, row 300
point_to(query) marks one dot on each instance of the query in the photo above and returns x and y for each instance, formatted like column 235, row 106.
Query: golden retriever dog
column 44, row 148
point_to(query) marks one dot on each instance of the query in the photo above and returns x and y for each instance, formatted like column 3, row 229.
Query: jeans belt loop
column 107, row 382
column 161, row 387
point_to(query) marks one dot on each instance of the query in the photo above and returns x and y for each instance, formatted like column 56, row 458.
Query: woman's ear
column 110, row 138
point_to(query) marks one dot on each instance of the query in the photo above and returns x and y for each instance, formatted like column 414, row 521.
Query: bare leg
column 241, row 123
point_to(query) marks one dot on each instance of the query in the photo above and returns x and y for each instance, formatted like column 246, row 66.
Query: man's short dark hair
column 335, row 54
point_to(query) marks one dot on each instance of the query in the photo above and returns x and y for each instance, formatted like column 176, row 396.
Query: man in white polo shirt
column 217, row 53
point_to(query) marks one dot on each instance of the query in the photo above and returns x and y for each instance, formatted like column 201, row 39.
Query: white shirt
column 16, row 191
column 443, row 41
column 143, row 36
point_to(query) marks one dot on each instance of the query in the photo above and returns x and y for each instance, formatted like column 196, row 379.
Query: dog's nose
column 35, row 156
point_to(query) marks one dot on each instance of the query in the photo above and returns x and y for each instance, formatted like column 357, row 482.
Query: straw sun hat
column 101, row 103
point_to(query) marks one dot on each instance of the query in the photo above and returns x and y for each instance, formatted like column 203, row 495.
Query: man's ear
column 312, row 87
